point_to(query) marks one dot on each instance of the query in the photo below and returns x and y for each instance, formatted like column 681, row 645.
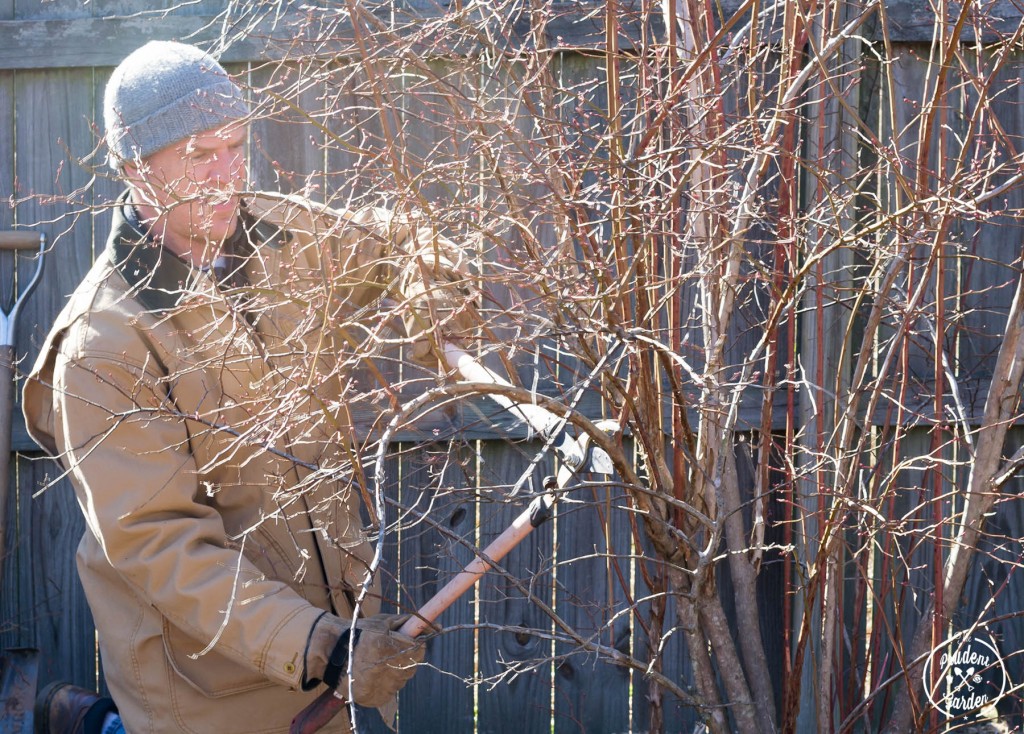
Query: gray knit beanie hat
column 162, row 93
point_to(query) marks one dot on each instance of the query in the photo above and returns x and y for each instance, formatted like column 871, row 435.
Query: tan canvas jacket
column 196, row 423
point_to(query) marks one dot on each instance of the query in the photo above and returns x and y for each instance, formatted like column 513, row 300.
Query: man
column 190, row 389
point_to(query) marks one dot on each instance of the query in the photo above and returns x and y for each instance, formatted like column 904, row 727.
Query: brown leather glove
column 383, row 659
column 443, row 304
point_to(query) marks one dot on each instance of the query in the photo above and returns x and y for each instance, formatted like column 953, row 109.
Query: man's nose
column 230, row 167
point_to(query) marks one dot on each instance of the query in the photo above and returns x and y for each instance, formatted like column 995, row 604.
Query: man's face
column 189, row 192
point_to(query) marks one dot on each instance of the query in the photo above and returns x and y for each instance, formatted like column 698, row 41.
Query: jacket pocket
column 212, row 674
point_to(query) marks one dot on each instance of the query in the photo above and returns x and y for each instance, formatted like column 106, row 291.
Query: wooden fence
column 55, row 56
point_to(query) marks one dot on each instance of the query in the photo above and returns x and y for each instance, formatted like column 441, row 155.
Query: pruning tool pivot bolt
column 569, row 450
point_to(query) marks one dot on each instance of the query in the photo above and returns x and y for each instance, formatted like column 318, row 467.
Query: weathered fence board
column 523, row 703
column 978, row 268
column 51, row 613
column 432, row 548
column 9, row 601
column 256, row 31
column 287, row 153
column 593, row 582
column 54, row 615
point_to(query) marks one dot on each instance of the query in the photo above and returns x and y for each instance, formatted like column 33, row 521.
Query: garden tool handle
column 21, row 240
column 530, row 518
column 7, row 402
column 8, row 322
column 329, row 703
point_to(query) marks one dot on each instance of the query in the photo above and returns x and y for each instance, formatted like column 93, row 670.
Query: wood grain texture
column 265, row 31
column 52, row 610
column 592, row 593
column 87, row 41
column 435, row 482
column 43, row 9
column 669, row 642
column 992, row 594
column 106, row 187
column 53, row 128
column 522, row 701
column 10, row 580
column 287, row 148
column 258, row 32
column 58, row 612
column 353, row 137
column 158, row 9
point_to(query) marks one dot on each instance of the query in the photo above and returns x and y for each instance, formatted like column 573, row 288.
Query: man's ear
column 135, row 175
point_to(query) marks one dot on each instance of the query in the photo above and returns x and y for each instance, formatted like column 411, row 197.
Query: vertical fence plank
column 433, row 549
column 994, row 596
column 53, row 611
column 353, row 138
column 982, row 267
column 59, row 613
column 104, row 192
column 987, row 251
column 107, row 187
column 515, row 690
column 669, row 645
column 678, row 717
column 9, row 581
column 590, row 693
column 286, row 151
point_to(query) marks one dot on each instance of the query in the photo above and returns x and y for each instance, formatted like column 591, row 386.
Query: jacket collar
column 160, row 280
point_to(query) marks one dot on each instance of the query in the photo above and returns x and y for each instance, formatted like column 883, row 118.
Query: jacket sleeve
column 372, row 251
column 429, row 278
column 136, row 481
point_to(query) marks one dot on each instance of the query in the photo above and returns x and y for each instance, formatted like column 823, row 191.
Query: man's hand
column 383, row 659
column 442, row 299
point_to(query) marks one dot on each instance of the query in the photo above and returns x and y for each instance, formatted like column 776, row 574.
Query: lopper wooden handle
column 538, row 511
column 20, row 240
column 327, row 705
column 318, row 714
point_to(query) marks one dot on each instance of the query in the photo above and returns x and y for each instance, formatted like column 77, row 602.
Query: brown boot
column 62, row 708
